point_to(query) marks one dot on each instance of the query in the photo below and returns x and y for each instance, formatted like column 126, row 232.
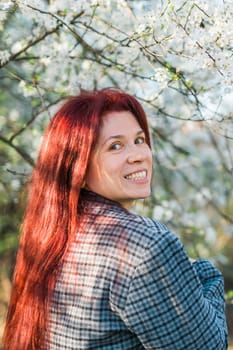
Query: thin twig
column 33, row 118
column 19, row 150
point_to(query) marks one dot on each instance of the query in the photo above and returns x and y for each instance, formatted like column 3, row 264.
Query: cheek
column 97, row 170
column 108, row 163
column 93, row 170
column 151, row 158
column 150, row 161
column 100, row 168
column 149, row 155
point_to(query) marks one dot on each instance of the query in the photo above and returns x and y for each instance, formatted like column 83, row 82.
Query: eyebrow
column 114, row 137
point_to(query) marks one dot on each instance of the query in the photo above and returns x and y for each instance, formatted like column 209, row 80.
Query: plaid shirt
column 128, row 284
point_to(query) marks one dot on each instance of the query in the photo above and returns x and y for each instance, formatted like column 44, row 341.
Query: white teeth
column 136, row 176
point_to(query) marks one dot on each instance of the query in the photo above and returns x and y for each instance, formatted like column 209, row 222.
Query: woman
column 90, row 274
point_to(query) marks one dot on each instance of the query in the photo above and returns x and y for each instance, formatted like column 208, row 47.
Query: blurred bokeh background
column 176, row 58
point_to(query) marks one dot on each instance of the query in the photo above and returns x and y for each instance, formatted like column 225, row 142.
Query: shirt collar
column 89, row 199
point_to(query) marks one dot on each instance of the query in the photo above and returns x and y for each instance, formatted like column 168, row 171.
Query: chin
column 145, row 194
column 142, row 196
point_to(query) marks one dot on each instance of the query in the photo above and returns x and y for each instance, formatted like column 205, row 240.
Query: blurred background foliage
column 175, row 57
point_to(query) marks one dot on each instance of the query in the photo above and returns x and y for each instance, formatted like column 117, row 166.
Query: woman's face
column 120, row 166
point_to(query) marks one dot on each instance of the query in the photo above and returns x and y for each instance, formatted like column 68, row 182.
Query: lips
column 138, row 175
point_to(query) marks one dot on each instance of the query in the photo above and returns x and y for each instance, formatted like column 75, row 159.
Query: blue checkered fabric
column 127, row 283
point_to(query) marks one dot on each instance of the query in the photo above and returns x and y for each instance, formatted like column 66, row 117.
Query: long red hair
column 52, row 218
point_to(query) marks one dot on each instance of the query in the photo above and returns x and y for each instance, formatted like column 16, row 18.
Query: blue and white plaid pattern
column 127, row 284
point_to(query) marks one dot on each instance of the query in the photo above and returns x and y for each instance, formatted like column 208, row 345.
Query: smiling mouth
column 140, row 175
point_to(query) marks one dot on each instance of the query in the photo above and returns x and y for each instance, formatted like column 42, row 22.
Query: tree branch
column 32, row 119
column 19, row 150
column 65, row 24
column 30, row 44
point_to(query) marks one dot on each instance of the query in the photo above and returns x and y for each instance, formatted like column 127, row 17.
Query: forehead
column 116, row 122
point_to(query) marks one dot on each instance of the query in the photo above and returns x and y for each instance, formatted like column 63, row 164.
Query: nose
column 135, row 154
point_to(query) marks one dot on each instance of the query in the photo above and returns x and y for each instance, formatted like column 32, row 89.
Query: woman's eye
column 115, row 146
column 140, row 140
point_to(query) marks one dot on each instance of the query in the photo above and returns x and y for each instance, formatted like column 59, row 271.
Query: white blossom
column 6, row 5
column 4, row 56
column 16, row 47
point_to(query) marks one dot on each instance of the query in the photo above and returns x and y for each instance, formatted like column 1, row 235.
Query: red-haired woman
column 89, row 273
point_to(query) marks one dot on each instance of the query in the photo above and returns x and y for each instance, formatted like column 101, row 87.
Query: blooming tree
column 174, row 56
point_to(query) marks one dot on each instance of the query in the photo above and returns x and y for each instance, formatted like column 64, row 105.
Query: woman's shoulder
column 132, row 220
column 142, row 231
